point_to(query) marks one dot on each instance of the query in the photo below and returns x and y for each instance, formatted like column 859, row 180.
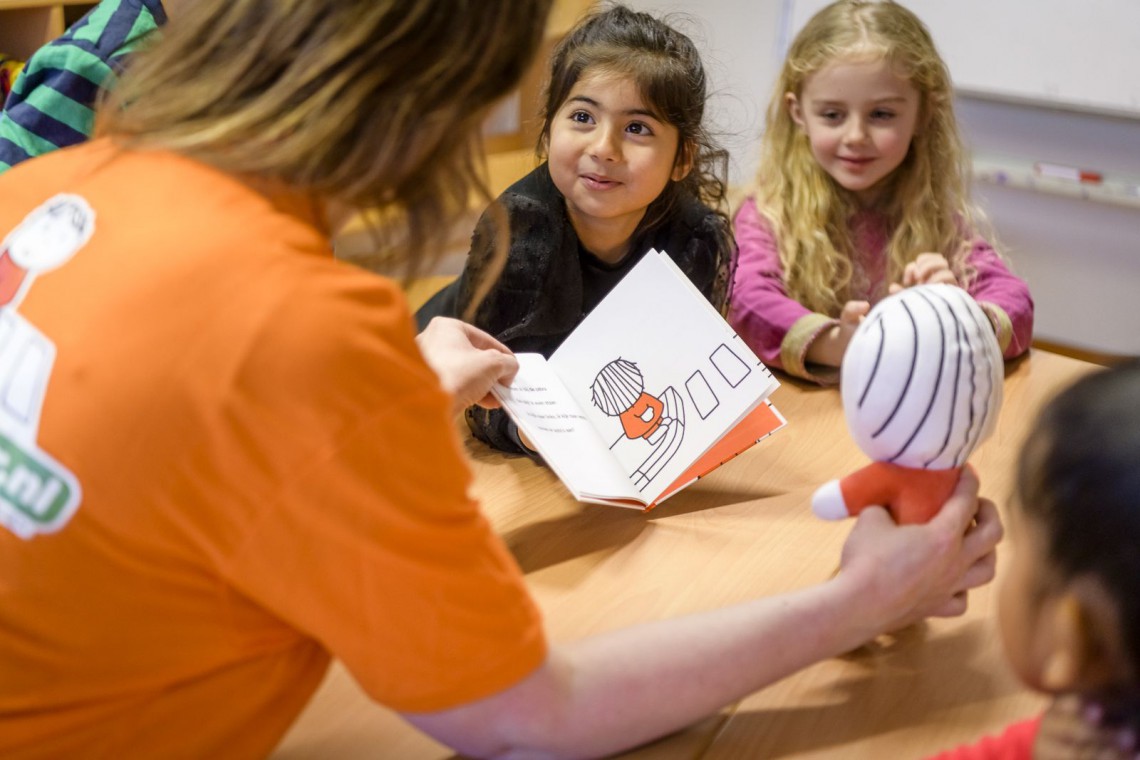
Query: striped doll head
column 922, row 378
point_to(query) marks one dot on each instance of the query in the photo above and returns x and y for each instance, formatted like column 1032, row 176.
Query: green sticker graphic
column 37, row 494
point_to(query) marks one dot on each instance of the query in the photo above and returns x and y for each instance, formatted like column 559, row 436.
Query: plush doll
column 921, row 385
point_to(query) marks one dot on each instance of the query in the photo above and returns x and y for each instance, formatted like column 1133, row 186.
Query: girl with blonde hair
column 862, row 189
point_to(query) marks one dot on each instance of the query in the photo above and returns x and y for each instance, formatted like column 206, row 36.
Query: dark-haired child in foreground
column 1069, row 604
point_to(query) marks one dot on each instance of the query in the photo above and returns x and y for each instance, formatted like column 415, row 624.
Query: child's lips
column 598, row 182
column 856, row 162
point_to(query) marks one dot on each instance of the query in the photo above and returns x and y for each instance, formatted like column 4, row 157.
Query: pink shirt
column 780, row 329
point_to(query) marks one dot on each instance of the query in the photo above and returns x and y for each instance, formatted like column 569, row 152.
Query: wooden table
column 744, row 531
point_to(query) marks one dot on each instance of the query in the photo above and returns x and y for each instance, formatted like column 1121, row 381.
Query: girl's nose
column 606, row 145
column 856, row 131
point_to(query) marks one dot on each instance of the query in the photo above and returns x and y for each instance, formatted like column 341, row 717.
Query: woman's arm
column 621, row 689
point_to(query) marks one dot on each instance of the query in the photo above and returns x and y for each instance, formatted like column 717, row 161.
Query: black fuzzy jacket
column 539, row 298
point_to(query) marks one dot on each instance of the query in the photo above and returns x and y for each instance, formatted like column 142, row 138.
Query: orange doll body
column 911, row 495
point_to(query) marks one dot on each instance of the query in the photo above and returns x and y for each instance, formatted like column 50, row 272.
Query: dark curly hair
column 667, row 69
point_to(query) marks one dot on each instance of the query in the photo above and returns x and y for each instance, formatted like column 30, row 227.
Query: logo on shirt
column 37, row 493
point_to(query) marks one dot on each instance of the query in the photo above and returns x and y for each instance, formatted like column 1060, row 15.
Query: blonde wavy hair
column 374, row 104
column 927, row 200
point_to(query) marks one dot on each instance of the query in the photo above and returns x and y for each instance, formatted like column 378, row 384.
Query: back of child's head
column 666, row 67
column 1078, row 480
column 925, row 198
column 376, row 103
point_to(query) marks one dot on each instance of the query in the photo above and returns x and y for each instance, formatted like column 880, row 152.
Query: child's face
column 609, row 156
column 1022, row 600
column 860, row 118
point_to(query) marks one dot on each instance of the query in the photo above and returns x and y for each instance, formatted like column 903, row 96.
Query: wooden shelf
column 26, row 25
column 514, row 125
column 509, row 137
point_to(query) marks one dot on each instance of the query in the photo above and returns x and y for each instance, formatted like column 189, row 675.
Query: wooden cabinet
column 514, row 124
column 26, row 25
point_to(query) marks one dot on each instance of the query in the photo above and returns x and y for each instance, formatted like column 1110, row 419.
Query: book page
column 659, row 373
column 555, row 425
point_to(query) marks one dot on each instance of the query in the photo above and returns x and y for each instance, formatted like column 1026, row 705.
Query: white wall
column 739, row 44
column 1038, row 51
column 1080, row 258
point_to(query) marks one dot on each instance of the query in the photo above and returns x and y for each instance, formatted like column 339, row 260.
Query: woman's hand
column 467, row 361
column 907, row 573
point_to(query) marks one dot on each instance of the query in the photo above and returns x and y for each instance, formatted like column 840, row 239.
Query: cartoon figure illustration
column 619, row 391
column 37, row 494
column 922, row 388
column 46, row 238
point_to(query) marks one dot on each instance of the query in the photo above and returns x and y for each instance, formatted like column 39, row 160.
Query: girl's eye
column 831, row 115
column 581, row 117
column 880, row 114
column 639, row 128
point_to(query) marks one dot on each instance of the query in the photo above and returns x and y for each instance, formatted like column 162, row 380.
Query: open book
column 650, row 392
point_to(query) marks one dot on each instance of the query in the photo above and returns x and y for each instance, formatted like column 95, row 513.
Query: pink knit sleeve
column 777, row 327
column 1005, row 298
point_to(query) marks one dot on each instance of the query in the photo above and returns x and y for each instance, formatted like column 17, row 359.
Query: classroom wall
column 739, row 43
column 1081, row 258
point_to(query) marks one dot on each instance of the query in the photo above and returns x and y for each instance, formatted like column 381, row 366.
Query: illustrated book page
column 651, row 391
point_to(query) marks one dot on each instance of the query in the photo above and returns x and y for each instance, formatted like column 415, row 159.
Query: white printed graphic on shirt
column 37, row 493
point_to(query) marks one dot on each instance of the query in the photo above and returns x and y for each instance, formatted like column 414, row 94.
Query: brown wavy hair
column 927, row 199
column 375, row 104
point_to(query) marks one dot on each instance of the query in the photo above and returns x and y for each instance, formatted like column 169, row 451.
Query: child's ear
column 684, row 163
column 1085, row 651
column 795, row 110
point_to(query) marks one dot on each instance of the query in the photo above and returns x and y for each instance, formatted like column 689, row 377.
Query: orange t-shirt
column 222, row 458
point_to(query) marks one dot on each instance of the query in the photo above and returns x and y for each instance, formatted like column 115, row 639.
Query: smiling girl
column 862, row 190
column 629, row 167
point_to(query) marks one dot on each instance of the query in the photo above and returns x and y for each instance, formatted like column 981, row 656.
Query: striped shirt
column 51, row 103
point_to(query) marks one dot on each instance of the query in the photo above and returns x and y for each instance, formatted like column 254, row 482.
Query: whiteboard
column 1074, row 54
